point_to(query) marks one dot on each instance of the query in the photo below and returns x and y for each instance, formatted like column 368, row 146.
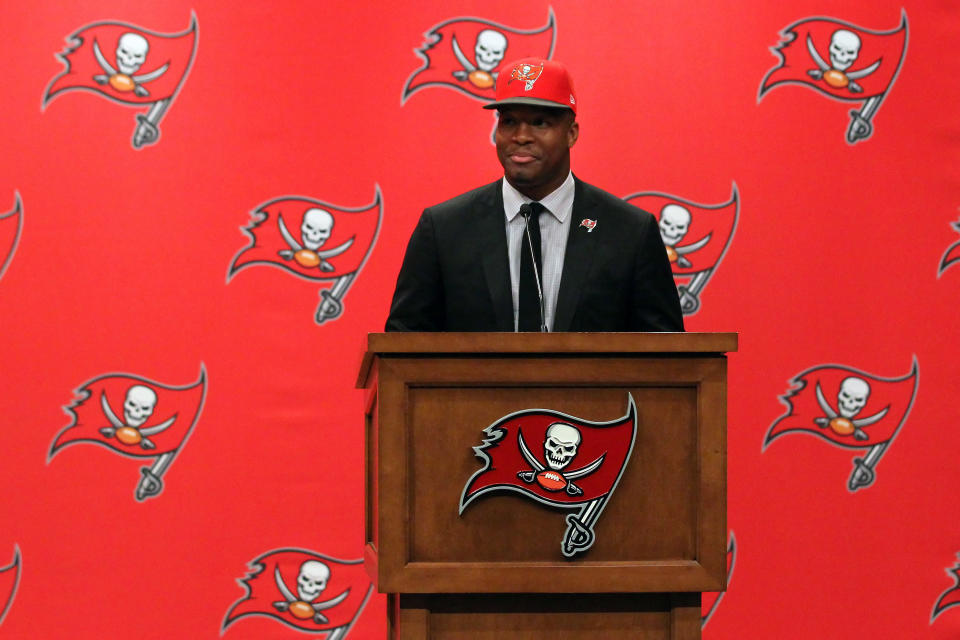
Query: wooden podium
column 497, row 570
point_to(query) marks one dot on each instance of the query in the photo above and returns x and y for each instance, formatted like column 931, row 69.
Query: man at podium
column 539, row 250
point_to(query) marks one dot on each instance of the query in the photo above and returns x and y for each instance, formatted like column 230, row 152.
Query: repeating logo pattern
column 129, row 65
column 849, row 408
column 697, row 237
column 465, row 54
column 9, row 582
column 304, row 590
column 137, row 418
column 711, row 600
column 573, row 464
column 312, row 240
column 950, row 257
column 951, row 596
column 11, row 226
column 842, row 61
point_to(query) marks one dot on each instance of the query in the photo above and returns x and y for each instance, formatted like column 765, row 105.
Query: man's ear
column 573, row 133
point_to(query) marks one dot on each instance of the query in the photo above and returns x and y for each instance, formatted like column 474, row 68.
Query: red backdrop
column 117, row 233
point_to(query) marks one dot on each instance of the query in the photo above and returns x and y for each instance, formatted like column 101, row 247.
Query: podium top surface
column 486, row 343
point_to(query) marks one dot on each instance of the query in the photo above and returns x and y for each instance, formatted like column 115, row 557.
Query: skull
column 561, row 444
column 312, row 580
column 491, row 46
column 316, row 228
column 853, row 396
column 139, row 405
column 131, row 52
column 674, row 224
column 844, row 49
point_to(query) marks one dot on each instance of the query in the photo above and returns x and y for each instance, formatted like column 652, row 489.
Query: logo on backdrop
column 950, row 597
column 314, row 241
column 950, row 257
column 9, row 581
column 128, row 65
column 842, row 61
column 137, row 418
column 696, row 236
column 11, row 226
column 711, row 599
column 304, row 590
column 558, row 460
column 465, row 54
column 849, row 408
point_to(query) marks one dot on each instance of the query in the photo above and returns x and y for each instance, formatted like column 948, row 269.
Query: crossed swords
column 863, row 474
column 530, row 476
column 151, row 484
column 823, row 67
column 690, row 248
column 467, row 65
column 317, row 607
column 690, row 293
column 331, row 305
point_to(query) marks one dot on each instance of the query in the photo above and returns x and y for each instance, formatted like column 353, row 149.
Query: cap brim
column 534, row 102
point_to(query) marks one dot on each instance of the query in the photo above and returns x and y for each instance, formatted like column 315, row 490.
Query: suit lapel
column 581, row 247
column 492, row 238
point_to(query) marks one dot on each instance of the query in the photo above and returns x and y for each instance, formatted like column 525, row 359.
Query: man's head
column 537, row 125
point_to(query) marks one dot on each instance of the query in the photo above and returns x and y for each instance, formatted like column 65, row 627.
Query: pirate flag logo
column 129, row 65
column 573, row 464
column 312, row 240
column 304, row 590
column 950, row 597
column 950, row 257
column 711, row 599
column 11, row 226
column 465, row 54
column 9, row 581
column 696, row 237
column 137, row 418
column 842, row 61
column 849, row 408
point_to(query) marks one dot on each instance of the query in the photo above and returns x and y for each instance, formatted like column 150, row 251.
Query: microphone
column 527, row 212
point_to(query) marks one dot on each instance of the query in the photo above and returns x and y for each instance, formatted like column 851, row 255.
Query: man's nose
column 523, row 132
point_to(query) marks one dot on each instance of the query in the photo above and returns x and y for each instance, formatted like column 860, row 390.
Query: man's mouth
column 521, row 158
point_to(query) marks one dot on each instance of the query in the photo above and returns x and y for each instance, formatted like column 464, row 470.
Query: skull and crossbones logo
column 131, row 54
column 311, row 582
column 844, row 51
column 560, row 445
column 528, row 73
column 489, row 50
column 315, row 230
column 851, row 399
column 138, row 406
column 674, row 225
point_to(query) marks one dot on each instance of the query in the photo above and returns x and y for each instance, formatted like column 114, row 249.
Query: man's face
column 533, row 145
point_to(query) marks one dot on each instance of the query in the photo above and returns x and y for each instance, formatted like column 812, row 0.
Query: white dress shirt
column 554, row 229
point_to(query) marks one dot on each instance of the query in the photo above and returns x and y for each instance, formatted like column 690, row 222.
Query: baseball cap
column 535, row 81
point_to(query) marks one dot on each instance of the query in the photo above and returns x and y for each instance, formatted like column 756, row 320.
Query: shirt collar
column 558, row 203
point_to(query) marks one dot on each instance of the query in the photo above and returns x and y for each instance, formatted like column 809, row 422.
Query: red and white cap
column 537, row 82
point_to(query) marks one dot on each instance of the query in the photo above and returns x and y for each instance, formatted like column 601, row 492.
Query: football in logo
column 312, row 240
column 11, row 226
column 557, row 460
column 128, row 65
column 465, row 54
column 136, row 418
column 842, row 61
column 848, row 408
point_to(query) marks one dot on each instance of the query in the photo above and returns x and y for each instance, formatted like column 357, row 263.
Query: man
column 540, row 249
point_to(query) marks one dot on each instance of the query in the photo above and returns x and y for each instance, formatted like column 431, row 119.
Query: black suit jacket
column 455, row 274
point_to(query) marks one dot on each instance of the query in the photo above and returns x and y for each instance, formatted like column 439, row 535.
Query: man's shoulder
column 485, row 194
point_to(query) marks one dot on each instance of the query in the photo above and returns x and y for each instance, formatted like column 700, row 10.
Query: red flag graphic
column 309, row 238
column 11, row 226
column 125, row 63
column 848, row 407
column 132, row 415
column 466, row 54
column 837, row 58
column 950, row 257
column 697, row 236
column 950, row 597
column 711, row 599
column 304, row 590
column 9, row 581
